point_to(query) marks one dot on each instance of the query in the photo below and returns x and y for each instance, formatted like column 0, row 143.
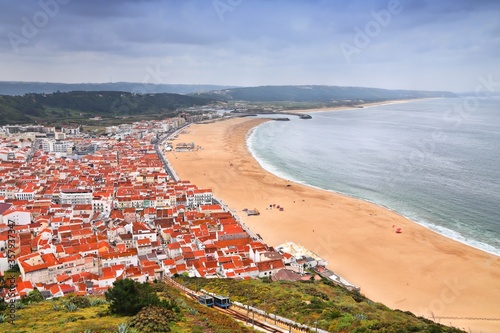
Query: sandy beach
column 416, row 270
column 363, row 105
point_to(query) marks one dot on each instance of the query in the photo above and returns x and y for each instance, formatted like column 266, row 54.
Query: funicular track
column 253, row 319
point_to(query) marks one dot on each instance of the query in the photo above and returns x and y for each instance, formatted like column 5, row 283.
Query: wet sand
column 416, row 270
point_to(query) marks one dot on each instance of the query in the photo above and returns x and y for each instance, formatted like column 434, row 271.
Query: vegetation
column 153, row 319
column 333, row 308
column 317, row 94
column 79, row 106
column 128, row 297
column 131, row 104
column 93, row 315
column 51, row 316
column 33, row 297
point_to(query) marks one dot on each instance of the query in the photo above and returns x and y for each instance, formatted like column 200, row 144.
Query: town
column 81, row 211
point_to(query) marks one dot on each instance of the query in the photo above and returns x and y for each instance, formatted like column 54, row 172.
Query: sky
column 396, row 44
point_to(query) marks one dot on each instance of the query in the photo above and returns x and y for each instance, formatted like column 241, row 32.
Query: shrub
column 95, row 301
column 123, row 328
column 34, row 296
column 128, row 297
column 80, row 301
column 70, row 307
column 356, row 295
column 71, row 319
column 152, row 319
column 331, row 314
column 169, row 305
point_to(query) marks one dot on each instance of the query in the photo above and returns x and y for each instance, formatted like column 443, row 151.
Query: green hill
column 90, row 314
column 22, row 88
column 333, row 308
column 318, row 94
column 78, row 106
column 81, row 105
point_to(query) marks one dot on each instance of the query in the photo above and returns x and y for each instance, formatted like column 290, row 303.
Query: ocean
column 437, row 161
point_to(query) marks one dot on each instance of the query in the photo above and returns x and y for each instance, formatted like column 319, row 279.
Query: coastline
column 418, row 270
column 451, row 234
column 359, row 106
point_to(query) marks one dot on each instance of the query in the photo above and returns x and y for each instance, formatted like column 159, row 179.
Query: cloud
column 254, row 42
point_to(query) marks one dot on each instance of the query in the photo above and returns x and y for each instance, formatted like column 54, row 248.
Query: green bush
column 95, row 301
column 153, row 319
column 128, row 297
column 70, row 307
column 34, row 296
column 80, row 301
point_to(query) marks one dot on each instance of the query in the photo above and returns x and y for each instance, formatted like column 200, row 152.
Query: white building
column 76, row 197
column 53, row 146
column 203, row 197
column 102, row 204
column 71, row 130
column 19, row 216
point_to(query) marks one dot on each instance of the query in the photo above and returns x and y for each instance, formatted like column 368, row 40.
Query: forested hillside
column 83, row 105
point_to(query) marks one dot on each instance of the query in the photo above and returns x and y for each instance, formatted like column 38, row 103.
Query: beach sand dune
column 415, row 270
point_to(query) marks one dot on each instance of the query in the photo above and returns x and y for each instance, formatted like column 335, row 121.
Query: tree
column 34, row 296
column 128, row 297
column 14, row 269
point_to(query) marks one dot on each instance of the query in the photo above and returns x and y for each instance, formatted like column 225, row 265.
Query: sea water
column 436, row 162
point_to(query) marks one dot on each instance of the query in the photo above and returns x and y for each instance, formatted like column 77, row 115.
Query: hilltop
column 79, row 106
column 44, row 105
column 22, row 88
column 320, row 94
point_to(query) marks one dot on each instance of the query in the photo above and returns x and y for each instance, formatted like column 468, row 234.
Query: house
column 59, row 290
column 24, row 288
column 232, row 231
column 143, row 246
column 18, row 215
column 208, row 209
column 83, row 209
column 174, row 249
column 126, row 258
column 3, row 208
column 142, row 231
column 44, row 268
column 126, row 239
column 270, row 267
column 286, row 275
column 129, row 215
column 108, row 277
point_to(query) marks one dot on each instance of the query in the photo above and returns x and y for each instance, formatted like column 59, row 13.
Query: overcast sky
column 407, row 44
